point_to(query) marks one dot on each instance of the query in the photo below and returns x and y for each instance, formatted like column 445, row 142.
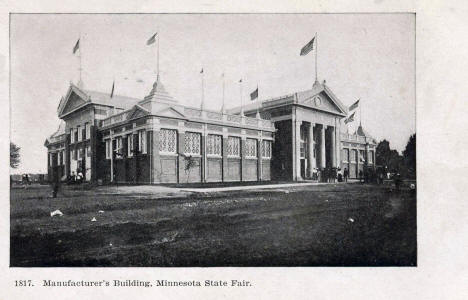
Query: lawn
column 324, row 225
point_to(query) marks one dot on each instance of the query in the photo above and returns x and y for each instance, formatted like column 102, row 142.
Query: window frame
column 251, row 144
column 142, row 144
column 163, row 135
column 130, row 145
column 211, row 139
column 191, row 147
column 231, row 146
column 264, row 153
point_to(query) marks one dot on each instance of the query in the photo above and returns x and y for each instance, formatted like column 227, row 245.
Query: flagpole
column 360, row 114
column 242, row 101
column 79, row 49
column 223, row 108
column 316, row 51
column 258, row 104
column 202, row 106
column 157, row 60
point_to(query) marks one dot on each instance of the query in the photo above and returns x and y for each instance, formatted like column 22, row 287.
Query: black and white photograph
column 213, row 140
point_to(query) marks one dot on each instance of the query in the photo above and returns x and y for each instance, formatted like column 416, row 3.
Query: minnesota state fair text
column 142, row 283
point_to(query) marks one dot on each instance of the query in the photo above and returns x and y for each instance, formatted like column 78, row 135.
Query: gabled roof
column 60, row 131
column 302, row 96
column 95, row 97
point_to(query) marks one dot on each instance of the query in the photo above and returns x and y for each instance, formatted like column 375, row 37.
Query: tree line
column 393, row 162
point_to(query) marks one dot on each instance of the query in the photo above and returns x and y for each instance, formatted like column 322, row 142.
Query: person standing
column 345, row 174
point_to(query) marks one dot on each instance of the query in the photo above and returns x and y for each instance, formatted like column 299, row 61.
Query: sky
column 370, row 57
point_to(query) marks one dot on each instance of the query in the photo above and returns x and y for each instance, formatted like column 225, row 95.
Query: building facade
column 311, row 134
column 155, row 140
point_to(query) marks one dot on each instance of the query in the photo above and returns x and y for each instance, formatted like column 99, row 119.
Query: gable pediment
column 322, row 101
column 171, row 112
column 137, row 112
column 72, row 102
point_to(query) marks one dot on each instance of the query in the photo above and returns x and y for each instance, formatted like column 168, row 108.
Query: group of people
column 330, row 174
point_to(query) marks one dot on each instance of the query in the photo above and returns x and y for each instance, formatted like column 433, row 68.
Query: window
column 361, row 156
column 192, row 143
column 88, row 131
column 88, row 151
column 213, row 145
column 130, row 145
column 353, row 155
column 251, row 148
column 266, row 149
column 118, row 147
column 72, row 135
column 108, row 149
column 233, row 147
column 80, row 153
column 78, row 134
column 371, row 157
column 142, row 141
column 345, row 155
column 167, row 141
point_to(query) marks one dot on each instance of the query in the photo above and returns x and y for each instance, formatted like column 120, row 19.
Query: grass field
column 324, row 225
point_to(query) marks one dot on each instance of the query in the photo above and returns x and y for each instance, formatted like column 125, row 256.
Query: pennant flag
column 254, row 94
column 112, row 91
column 350, row 119
column 309, row 47
column 201, row 72
column 354, row 105
column 151, row 39
column 77, row 46
column 240, row 80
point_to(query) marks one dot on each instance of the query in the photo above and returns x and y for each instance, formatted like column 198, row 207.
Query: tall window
column 251, row 148
column 167, row 141
column 75, row 134
column 118, row 147
column 345, row 155
column 353, row 155
column 192, row 143
column 78, row 134
column 361, row 156
column 72, row 135
column 108, row 149
column 233, row 147
column 266, row 149
column 371, row 157
column 88, row 131
column 213, row 145
column 142, row 141
column 130, row 145
column 88, row 151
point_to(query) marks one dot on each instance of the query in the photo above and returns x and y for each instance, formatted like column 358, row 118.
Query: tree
column 14, row 156
column 387, row 157
column 409, row 154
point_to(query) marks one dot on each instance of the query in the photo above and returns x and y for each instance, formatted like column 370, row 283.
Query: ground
column 315, row 225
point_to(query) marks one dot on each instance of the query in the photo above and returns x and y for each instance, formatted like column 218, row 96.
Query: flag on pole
column 77, row 46
column 112, row 91
column 240, row 80
column 309, row 47
column 354, row 105
column 151, row 39
column 350, row 119
column 201, row 72
column 254, row 94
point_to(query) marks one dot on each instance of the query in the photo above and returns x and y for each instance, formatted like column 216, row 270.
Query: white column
column 333, row 147
column 322, row 147
column 338, row 143
column 298, row 150
column 312, row 161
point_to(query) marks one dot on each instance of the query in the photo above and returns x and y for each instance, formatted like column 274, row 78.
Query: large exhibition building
column 110, row 138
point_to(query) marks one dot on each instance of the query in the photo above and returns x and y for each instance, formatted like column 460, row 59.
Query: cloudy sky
column 366, row 56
